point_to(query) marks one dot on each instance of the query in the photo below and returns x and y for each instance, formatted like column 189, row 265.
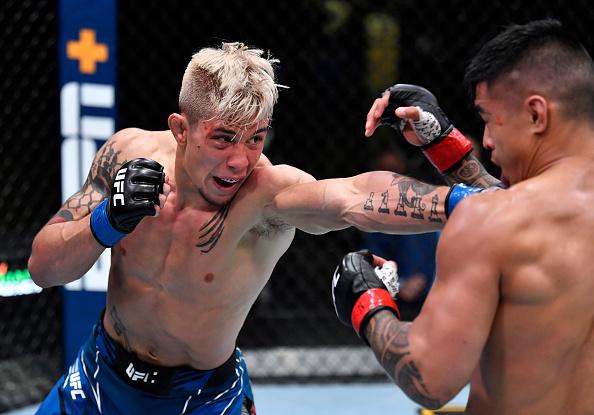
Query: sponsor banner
column 87, row 59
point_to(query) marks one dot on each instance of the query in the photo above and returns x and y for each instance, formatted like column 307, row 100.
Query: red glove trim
column 369, row 300
column 447, row 152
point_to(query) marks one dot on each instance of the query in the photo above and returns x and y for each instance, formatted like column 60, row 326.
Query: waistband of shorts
column 155, row 379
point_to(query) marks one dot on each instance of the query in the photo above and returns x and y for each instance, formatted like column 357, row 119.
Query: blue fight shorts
column 107, row 379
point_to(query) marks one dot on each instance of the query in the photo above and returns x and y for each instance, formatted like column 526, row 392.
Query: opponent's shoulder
column 483, row 221
column 487, row 204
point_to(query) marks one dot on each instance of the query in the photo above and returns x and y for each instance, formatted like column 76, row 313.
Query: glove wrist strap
column 370, row 302
column 455, row 195
column 102, row 229
column 448, row 151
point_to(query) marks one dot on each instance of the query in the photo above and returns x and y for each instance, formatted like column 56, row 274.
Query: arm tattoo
column 410, row 199
column 470, row 171
column 119, row 328
column 212, row 231
column 389, row 340
column 96, row 187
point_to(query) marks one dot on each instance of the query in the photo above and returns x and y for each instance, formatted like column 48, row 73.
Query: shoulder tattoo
column 96, row 186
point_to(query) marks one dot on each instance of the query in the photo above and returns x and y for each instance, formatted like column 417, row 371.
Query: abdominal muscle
column 164, row 331
column 184, row 308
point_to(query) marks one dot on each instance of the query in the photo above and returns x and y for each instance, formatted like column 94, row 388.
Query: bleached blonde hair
column 232, row 83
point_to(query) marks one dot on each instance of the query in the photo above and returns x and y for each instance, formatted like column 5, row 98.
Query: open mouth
column 223, row 182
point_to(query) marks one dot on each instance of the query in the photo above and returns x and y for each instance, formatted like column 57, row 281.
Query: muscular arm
column 432, row 358
column 375, row 201
column 65, row 248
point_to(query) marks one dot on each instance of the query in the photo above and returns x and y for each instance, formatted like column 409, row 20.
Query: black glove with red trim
column 359, row 290
column 444, row 145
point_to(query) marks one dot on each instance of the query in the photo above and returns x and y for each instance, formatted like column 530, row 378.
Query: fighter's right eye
column 222, row 140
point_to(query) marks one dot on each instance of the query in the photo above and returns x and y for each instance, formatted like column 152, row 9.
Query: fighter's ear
column 179, row 126
column 538, row 111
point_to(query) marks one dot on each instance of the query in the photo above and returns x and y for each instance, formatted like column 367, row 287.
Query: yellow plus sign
column 87, row 51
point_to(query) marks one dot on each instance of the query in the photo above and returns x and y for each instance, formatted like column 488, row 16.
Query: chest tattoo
column 212, row 230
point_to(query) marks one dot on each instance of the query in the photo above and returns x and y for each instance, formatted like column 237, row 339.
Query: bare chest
column 190, row 255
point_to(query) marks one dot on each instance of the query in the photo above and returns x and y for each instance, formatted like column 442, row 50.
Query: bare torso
column 175, row 303
column 539, row 358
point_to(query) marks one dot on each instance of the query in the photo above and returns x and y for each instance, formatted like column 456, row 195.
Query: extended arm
column 374, row 201
column 432, row 358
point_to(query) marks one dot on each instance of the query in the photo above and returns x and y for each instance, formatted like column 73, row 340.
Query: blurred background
column 335, row 55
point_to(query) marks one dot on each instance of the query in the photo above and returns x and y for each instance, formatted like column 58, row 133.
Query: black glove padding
column 135, row 192
column 444, row 145
column 358, row 292
column 406, row 95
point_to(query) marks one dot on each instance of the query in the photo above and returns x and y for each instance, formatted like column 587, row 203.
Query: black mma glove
column 444, row 145
column 134, row 194
column 359, row 290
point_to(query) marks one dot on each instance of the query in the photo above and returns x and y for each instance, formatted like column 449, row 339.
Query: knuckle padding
column 147, row 163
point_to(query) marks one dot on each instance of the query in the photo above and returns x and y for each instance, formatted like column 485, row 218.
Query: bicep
column 96, row 186
column 448, row 336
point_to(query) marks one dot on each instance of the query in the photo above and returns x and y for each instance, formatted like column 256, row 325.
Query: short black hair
column 544, row 51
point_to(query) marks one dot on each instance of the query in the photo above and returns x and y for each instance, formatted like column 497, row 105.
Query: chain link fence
column 30, row 326
column 336, row 56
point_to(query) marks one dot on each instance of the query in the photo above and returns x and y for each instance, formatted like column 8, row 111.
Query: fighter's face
column 219, row 158
column 504, row 133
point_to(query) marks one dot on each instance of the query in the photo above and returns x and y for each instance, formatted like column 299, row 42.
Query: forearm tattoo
column 410, row 200
column 470, row 171
column 388, row 337
column 96, row 186
column 119, row 328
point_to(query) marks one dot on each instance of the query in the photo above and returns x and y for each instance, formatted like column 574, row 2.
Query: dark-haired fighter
column 511, row 310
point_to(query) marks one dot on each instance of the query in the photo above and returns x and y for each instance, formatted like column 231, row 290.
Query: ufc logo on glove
column 118, row 185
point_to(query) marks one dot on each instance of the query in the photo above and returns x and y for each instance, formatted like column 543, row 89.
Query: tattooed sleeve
column 96, row 186
column 388, row 337
column 406, row 197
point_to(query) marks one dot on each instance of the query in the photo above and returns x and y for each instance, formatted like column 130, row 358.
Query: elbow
column 433, row 406
column 36, row 270
column 40, row 268
column 428, row 399
column 428, row 383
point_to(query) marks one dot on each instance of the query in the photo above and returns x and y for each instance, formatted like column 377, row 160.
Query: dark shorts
column 106, row 379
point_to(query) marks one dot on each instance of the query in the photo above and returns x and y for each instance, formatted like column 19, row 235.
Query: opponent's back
column 539, row 358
